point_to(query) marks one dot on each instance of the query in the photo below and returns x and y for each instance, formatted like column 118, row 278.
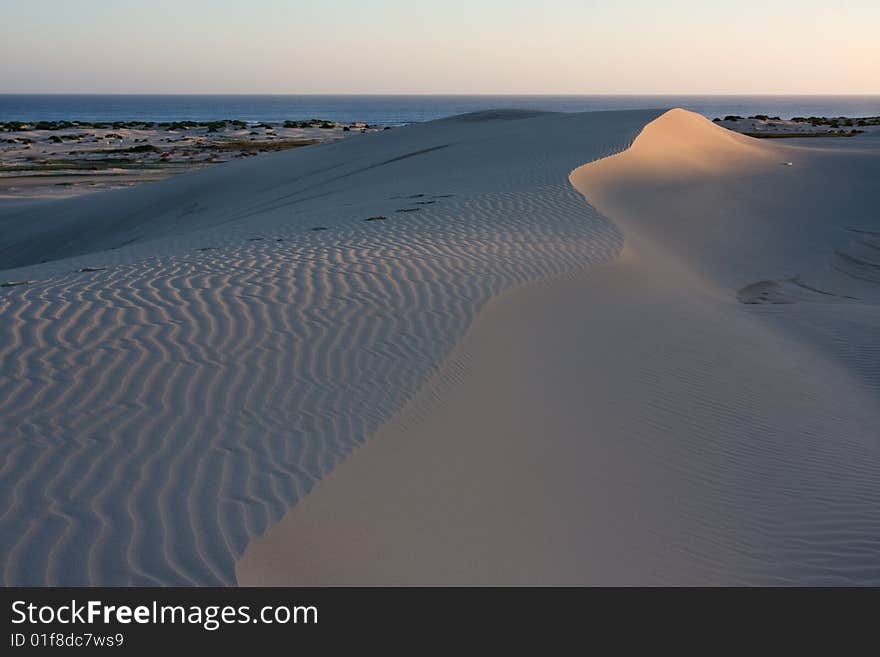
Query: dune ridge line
column 173, row 382
column 639, row 422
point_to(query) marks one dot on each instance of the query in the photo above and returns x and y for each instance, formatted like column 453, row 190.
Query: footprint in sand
column 90, row 269
column 408, row 210
column 318, row 228
column 391, row 198
column 376, row 218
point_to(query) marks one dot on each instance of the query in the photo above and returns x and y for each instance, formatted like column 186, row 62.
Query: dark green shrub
column 144, row 148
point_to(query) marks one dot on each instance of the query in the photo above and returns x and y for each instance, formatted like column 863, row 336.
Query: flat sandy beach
column 501, row 348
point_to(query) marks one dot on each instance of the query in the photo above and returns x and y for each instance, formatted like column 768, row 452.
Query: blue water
column 390, row 110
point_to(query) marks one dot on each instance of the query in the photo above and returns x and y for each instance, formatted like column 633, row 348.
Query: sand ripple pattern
column 157, row 415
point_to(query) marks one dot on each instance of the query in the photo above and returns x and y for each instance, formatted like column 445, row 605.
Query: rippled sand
column 194, row 354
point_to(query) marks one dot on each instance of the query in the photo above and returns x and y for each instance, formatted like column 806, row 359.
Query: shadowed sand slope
column 196, row 353
column 645, row 421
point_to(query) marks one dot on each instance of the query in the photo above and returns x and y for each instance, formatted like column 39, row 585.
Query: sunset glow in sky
column 439, row 46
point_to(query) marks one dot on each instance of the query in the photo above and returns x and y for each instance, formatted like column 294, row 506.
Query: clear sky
column 440, row 46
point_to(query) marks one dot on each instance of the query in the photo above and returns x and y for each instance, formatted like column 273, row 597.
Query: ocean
column 395, row 110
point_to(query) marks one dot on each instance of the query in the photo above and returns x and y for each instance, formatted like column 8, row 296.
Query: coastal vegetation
column 248, row 146
column 76, row 164
column 311, row 123
column 212, row 126
column 812, row 120
column 140, row 148
column 839, row 121
column 764, row 126
column 101, row 155
column 784, row 135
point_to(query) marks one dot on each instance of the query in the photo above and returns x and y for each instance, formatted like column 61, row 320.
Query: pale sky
column 440, row 46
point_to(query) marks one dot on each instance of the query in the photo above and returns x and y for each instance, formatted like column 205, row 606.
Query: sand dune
column 702, row 410
column 191, row 356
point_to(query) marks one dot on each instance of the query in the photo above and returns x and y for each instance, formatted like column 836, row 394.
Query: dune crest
column 638, row 423
column 678, row 146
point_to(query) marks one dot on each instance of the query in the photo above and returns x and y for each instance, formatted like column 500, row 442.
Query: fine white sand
column 702, row 410
column 189, row 357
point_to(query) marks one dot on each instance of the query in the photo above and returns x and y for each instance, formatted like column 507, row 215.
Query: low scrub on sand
column 140, row 148
column 311, row 123
column 785, row 135
column 258, row 146
column 76, row 165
